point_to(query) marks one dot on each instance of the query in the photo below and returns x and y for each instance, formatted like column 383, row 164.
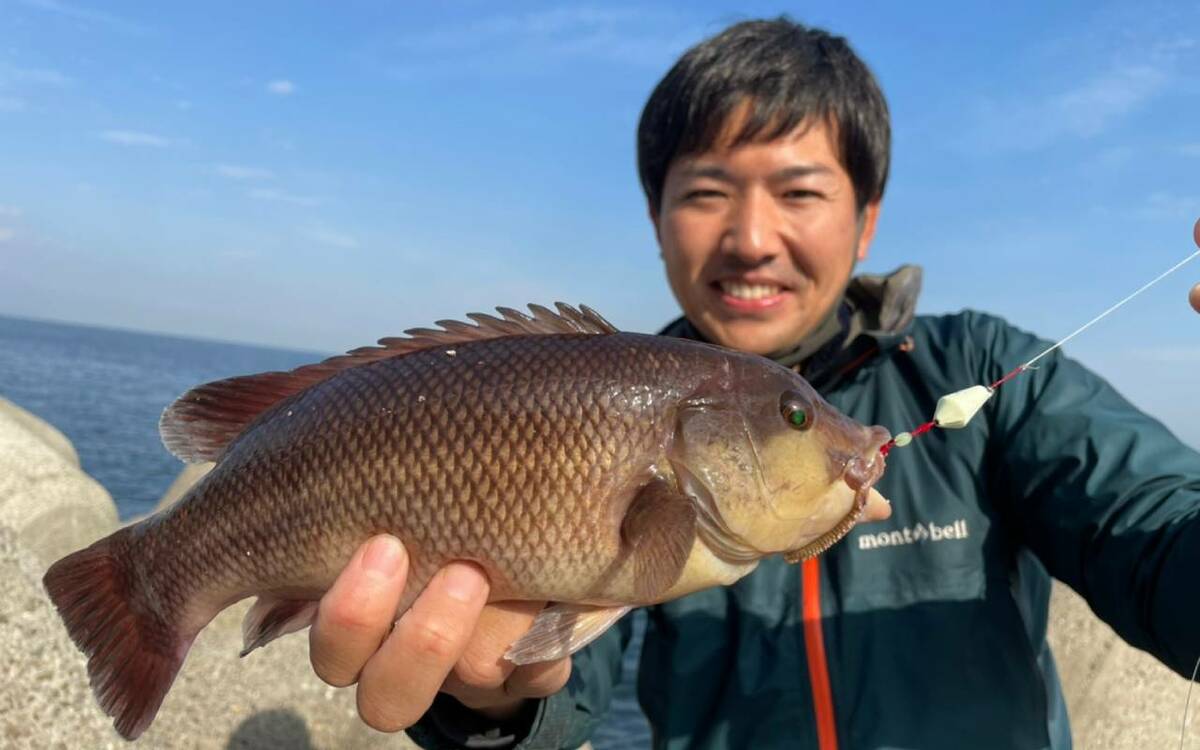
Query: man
column 764, row 154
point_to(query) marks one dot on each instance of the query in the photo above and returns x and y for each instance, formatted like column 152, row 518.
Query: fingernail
column 383, row 556
column 462, row 582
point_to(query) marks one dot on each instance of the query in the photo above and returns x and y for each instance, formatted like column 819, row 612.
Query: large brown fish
column 574, row 463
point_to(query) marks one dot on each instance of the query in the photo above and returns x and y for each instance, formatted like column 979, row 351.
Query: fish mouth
column 860, row 475
column 862, row 472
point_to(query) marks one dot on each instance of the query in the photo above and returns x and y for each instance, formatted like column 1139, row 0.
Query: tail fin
column 133, row 653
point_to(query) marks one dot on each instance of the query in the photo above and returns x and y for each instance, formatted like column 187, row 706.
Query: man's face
column 759, row 240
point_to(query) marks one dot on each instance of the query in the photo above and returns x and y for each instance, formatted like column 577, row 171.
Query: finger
column 398, row 684
column 483, row 664
column 1194, row 298
column 538, row 680
column 356, row 613
column 525, row 682
column 1196, row 232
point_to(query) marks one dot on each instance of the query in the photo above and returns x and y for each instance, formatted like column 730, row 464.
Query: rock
column 45, row 700
column 1118, row 697
column 45, row 497
column 41, row 430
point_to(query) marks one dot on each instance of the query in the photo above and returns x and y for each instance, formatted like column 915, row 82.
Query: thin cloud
column 1095, row 80
column 281, row 87
column 10, row 212
column 242, row 172
column 1169, row 206
column 1190, row 149
column 1084, row 110
column 17, row 84
column 278, row 196
column 13, row 75
column 135, row 138
column 1090, row 108
column 6, row 234
column 332, row 238
column 528, row 41
column 88, row 15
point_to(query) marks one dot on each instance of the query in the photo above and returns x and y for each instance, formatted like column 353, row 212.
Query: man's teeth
column 749, row 291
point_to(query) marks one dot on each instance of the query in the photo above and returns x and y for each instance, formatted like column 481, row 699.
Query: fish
column 576, row 464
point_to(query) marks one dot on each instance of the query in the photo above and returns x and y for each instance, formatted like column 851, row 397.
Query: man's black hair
column 788, row 75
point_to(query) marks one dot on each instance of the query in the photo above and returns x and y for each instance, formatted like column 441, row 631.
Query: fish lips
column 860, row 473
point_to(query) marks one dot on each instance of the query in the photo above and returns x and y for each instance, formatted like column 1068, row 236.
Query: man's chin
column 756, row 339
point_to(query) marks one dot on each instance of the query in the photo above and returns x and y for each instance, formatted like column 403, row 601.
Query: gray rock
column 1118, row 697
column 45, row 701
column 41, row 430
column 45, row 497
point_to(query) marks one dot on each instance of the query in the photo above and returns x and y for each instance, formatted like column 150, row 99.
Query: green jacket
column 926, row 630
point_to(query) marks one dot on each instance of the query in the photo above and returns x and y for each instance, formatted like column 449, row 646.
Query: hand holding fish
column 447, row 641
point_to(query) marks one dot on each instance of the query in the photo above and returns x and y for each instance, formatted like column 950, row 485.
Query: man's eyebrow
column 800, row 170
column 715, row 172
column 711, row 171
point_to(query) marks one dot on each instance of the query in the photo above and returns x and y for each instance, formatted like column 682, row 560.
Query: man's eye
column 701, row 194
column 801, row 194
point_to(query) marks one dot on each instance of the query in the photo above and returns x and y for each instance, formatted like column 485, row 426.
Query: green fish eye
column 792, row 408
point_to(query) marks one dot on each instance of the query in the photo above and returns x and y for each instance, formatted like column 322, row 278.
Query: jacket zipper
column 814, row 647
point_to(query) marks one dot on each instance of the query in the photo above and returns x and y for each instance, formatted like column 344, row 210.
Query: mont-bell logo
column 918, row 533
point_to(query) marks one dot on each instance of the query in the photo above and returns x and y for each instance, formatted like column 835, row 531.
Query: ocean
column 105, row 390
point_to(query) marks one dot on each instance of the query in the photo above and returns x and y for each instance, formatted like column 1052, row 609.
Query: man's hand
column 1194, row 297
column 450, row 640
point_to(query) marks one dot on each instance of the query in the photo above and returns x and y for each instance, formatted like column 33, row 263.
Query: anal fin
column 561, row 630
column 272, row 617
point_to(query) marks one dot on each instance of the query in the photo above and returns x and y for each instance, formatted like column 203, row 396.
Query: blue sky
column 319, row 175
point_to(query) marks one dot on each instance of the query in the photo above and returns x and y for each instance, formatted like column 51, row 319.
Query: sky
column 318, row 175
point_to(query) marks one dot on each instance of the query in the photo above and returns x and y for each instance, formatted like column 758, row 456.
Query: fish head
column 781, row 469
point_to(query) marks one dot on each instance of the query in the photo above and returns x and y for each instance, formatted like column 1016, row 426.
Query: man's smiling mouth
column 750, row 292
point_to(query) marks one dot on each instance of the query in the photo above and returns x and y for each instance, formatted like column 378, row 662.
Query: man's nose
column 753, row 232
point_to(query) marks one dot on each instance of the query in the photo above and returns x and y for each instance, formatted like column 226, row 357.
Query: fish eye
column 792, row 407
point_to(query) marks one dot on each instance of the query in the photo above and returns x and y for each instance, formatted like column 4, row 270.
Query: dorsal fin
column 201, row 422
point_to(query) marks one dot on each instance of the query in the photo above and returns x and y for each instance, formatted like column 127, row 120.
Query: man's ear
column 866, row 233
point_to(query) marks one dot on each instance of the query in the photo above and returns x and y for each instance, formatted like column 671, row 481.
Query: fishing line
column 1184, row 723
column 955, row 410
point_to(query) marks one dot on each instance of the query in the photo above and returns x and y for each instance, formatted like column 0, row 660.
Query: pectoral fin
column 657, row 535
column 561, row 630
